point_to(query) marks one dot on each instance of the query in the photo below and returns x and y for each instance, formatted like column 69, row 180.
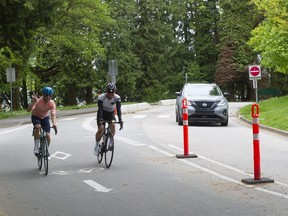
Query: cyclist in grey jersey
column 106, row 108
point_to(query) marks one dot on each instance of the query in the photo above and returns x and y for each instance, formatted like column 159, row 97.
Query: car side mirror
column 177, row 93
column 226, row 94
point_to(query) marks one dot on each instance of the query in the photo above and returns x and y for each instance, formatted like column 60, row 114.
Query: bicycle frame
column 43, row 154
column 107, row 144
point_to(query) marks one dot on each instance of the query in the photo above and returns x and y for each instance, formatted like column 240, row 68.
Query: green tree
column 19, row 21
column 70, row 50
column 236, row 23
column 205, row 16
column 155, row 46
column 117, row 40
column 270, row 38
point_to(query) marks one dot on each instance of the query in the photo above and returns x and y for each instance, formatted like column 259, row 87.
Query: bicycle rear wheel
column 45, row 156
column 109, row 152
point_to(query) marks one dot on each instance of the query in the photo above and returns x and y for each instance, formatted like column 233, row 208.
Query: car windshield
column 201, row 90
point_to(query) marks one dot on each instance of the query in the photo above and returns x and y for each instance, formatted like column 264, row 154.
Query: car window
column 201, row 90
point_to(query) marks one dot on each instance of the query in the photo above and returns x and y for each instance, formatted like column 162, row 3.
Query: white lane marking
column 132, row 142
column 227, row 166
column 285, row 196
column 140, row 144
column 60, row 155
column 91, row 118
column 69, row 119
column 161, row 151
column 216, row 162
column 15, row 129
column 97, row 186
column 87, row 126
column 163, row 116
column 71, row 172
column 139, row 116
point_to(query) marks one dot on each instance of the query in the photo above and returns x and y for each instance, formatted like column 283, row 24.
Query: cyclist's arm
column 53, row 118
column 100, row 109
column 53, row 114
column 31, row 105
column 118, row 107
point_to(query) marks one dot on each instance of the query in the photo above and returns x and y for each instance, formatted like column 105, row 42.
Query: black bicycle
column 43, row 155
column 106, row 147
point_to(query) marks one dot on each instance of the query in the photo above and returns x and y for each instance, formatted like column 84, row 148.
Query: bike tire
column 40, row 160
column 109, row 151
column 100, row 155
column 101, row 149
column 45, row 156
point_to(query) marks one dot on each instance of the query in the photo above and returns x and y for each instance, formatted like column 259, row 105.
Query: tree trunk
column 89, row 95
column 70, row 95
column 24, row 94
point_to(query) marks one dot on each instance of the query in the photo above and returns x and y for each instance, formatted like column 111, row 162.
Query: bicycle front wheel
column 45, row 156
column 39, row 160
column 100, row 154
column 109, row 152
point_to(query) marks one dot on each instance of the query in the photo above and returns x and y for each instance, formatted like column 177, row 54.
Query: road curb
column 274, row 130
column 26, row 119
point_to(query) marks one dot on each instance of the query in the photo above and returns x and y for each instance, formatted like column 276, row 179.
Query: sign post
column 113, row 70
column 254, row 75
column 10, row 75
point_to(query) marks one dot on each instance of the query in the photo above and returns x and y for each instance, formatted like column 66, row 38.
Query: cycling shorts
column 45, row 123
column 107, row 116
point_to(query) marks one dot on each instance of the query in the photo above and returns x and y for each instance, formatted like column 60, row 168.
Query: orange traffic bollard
column 185, row 131
column 256, row 147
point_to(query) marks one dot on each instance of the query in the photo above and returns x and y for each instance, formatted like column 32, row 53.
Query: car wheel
column 180, row 120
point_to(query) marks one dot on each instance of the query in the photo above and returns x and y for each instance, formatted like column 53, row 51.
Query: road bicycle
column 106, row 147
column 43, row 155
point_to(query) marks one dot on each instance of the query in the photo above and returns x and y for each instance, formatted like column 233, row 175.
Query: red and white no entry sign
column 255, row 72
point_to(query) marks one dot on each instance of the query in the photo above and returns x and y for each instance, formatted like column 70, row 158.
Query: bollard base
column 257, row 181
column 186, row 156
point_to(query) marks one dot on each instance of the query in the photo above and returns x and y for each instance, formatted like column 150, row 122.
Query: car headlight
column 222, row 103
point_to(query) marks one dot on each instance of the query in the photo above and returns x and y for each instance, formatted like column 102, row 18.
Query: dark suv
column 206, row 103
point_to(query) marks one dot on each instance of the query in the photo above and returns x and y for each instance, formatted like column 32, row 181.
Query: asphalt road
column 145, row 178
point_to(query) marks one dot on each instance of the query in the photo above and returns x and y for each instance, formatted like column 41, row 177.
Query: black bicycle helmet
column 111, row 87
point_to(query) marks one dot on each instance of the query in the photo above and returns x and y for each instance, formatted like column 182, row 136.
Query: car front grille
column 204, row 105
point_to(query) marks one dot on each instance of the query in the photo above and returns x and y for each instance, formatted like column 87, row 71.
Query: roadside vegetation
column 158, row 45
column 272, row 112
column 23, row 112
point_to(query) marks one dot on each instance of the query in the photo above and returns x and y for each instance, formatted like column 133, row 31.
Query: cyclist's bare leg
column 98, row 137
column 113, row 128
column 37, row 132
column 48, row 137
column 99, row 133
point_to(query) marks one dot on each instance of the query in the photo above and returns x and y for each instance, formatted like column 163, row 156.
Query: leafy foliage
column 158, row 45
column 270, row 38
column 234, row 31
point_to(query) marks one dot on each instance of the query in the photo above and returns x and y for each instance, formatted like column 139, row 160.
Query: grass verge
column 272, row 112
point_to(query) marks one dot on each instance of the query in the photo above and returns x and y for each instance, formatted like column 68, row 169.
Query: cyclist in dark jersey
column 106, row 109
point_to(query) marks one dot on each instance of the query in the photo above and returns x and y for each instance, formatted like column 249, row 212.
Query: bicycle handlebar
column 115, row 122
column 55, row 129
